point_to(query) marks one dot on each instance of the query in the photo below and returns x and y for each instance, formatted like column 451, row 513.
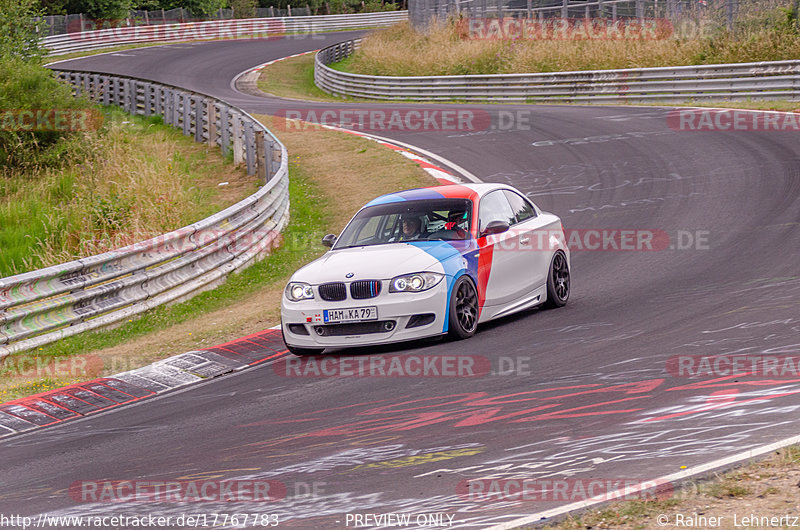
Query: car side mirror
column 495, row 227
column 329, row 240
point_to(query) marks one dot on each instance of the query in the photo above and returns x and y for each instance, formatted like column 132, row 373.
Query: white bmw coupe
column 426, row 262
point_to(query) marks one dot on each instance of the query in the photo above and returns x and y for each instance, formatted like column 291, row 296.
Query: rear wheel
column 558, row 281
column 463, row 309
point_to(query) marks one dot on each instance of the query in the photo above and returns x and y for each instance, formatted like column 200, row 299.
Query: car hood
column 378, row 262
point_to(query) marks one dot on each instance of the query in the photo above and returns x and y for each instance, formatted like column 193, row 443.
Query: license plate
column 353, row 314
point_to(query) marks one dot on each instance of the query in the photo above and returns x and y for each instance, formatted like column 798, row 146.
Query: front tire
column 463, row 317
column 558, row 283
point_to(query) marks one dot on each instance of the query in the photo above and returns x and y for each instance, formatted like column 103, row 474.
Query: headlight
column 297, row 291
column 414, row 283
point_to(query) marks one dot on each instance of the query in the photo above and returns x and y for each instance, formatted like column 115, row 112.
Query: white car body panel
column 517, row 279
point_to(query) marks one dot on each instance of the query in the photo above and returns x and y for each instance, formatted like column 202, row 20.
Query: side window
column 522, row 208
column 494, row 207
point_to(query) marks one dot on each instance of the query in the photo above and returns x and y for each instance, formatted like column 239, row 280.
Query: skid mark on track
column 635, row 402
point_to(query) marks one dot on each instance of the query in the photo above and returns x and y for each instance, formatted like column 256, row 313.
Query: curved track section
column 583, row 392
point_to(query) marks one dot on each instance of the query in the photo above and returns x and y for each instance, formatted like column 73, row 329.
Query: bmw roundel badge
column 349, row 275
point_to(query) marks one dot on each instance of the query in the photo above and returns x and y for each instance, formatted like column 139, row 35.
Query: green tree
column 198, row 8
column 18, row 30
column 147, row 5
column 54, row 7
column 100, row 9
column 243, row 8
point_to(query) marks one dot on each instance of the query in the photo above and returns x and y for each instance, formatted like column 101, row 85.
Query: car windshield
column 423, row 220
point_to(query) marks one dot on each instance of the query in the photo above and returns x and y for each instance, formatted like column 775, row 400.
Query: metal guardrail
column 216, row 29
column 46, row 305
column 763, row 80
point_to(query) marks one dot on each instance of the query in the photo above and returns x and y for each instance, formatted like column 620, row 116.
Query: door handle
column 524, row 240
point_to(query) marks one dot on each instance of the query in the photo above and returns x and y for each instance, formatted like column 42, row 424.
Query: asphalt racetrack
column 588, row 391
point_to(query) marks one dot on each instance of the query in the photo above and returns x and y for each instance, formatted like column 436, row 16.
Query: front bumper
column 398, row 308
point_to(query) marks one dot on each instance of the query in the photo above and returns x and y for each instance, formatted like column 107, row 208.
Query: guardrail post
column 74, row 80
column 187, row 121
column 126, row 95
column 199, row 109
column 564, row 8
column 137, row 86
column 95, row 87
column 114, row 94
column 148, row 99
column 168, row 112
column 225, row 130
column 268, row 162
column 250, row 147
column 238, row 152
column 211, row 113
column 134, row 97
column 107, row 89
column 176, row 108
column 159, row 101
column 261, row 161
column 276, row 156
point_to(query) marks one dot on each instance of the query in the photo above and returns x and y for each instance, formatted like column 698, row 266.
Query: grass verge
column 764, row 488
column 782, row 106
column 770, row 34
column 331, row 175
column 294, row 78
column 138, row 178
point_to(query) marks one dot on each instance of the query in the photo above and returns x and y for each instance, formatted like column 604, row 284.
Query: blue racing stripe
column 407, row 195
column 385, row 199
column 457, row 258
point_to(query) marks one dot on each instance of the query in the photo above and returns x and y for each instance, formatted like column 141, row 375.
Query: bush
column 26, row 86
column 18, row 36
